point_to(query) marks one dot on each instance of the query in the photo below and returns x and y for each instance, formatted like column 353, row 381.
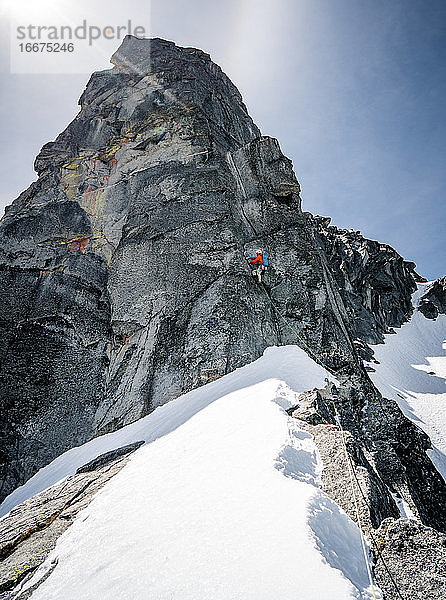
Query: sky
column 354, row 90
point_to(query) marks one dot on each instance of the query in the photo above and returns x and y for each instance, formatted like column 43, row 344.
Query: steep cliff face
column 133, row 242
column 55, row 327
column 124, row 280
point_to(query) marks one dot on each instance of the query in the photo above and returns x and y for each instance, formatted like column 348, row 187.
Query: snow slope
column 222, row 502
column 288, row 363
column 412, row 371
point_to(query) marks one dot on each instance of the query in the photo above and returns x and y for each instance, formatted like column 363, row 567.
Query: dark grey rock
column 367, row 491
column 399, row 453
column 313, row 408
column 433, row 302
column 415, row 557
column 123, row 269
column 373, row 279
column 108, row 457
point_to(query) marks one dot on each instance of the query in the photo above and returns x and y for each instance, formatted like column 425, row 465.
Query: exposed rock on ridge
column 433, row 302
column 374, row 281
column 32, row 529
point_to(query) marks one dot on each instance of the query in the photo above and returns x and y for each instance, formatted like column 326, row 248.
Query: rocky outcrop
column 411, row 561
column 408, row 556
column 101, row 255
column 314, row 407
column 397, row 449
column 374, row 281
column 370, row 493
column 433, row 302
column 30, row 531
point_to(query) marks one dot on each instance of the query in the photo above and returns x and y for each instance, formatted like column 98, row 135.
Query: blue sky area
column 355, row 91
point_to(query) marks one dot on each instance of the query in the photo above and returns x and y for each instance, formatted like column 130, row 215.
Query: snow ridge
column 223, row 503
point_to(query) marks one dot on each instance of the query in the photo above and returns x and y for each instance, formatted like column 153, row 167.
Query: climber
column 261, row 260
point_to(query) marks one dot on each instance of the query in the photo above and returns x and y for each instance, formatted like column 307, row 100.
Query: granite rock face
column 414, row 564
column 124, row 281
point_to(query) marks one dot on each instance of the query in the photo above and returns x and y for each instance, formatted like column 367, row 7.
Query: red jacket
column 255, row 259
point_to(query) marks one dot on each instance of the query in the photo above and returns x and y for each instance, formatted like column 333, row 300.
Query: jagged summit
column 125, row 282
column 164, row 76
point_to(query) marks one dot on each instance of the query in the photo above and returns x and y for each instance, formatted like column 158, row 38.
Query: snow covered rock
column 433, row 302
column 223, row 501
column 31, row 530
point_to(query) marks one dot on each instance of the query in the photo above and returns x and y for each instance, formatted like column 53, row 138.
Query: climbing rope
column 355, row 499
column 372, row 537
column 352, row 473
